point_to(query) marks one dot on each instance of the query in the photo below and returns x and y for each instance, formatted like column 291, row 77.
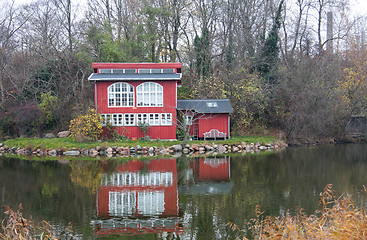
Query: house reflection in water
column 208, row 176
column 139, row 198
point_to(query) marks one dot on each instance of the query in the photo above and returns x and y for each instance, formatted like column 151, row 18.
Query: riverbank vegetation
column 15, row 226
column 338, row 218
column 68, row 143
column 265, row 56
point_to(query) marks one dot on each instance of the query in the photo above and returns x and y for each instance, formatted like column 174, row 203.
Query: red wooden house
column 207, row 118
column 128, row 93
column 139, row 198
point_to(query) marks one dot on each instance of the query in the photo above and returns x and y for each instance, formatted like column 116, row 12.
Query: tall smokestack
column 329, row 35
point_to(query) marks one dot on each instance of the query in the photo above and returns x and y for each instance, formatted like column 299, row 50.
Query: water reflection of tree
column 46, row 192
column 277, row 182
column 86, row 174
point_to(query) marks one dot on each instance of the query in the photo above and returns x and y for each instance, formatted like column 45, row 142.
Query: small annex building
column 207, row 118
column 128, row 94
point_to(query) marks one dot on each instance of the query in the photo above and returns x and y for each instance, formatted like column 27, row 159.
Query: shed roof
column 205, row 105
column 125, row 77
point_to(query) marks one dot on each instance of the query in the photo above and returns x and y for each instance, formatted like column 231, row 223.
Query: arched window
column 149, row 94
column 120, row 95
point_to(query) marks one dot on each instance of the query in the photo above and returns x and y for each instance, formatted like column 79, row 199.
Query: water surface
column 178, row 198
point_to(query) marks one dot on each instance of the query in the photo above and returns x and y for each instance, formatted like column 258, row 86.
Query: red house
column 129, row 94
column 126, row 94
column 207, row 118
column 139, row 198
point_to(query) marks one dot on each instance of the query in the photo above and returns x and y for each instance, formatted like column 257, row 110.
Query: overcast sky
column 358, row 7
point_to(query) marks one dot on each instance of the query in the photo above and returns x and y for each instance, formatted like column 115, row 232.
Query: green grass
column 55, row 143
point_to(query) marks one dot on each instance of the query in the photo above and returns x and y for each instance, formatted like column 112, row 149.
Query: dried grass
column 339, row 218
column 16, row 227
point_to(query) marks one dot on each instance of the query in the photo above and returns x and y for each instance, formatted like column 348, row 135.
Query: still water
column 178, row 198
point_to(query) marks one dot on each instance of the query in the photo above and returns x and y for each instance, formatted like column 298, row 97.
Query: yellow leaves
column 354, row 85
column 86, row 127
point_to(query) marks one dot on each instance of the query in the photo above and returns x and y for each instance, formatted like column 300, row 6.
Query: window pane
column 153, row 99
column 146, row 87
column 118, row 99
column 144, row 70
column 117, row 71
column 146, row 99
column 169, row 119
column 124, row 87
column 130, row 71
column 139, row 97
column 156, row 70
column 159, row 99
column 168, row 70
column 117, row 87
column 111, row 100
column 104, row 70
column 131, row 99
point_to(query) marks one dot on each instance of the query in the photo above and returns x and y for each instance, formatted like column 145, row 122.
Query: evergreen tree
column 202, row 50
column 269, row 56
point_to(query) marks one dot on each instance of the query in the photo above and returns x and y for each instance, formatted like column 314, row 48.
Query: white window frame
column 115, row 119
column 188, row 120
column 113, row 95
column 166, row 119
column 154, row 119
column 142, row 117
column 129, row 119
column 212, row 104
column 106, row 118
column 152, row 95
column 155, row 70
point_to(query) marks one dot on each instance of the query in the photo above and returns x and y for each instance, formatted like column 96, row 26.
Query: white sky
column 358, row 7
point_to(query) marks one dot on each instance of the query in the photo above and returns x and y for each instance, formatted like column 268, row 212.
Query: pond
column 178, row 198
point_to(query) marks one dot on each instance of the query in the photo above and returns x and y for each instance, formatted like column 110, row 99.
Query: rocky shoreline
column 115, row 151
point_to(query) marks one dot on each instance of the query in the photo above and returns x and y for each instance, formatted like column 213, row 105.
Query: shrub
column 49, row 105
column 86, row 128
column 144, row 127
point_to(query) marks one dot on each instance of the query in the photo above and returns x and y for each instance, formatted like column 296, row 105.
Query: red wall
column 217, row 121
column 170, row 192
column 212, row 172
column 211, row 169
column 169, row 106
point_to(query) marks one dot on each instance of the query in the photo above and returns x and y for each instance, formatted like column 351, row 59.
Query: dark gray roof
column 205, row 105
column 124, row 77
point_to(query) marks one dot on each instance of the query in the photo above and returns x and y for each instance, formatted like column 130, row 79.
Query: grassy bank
column 55, row 143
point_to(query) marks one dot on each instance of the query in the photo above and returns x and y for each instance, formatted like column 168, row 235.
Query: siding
column 169, row 106
column 209, row 122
